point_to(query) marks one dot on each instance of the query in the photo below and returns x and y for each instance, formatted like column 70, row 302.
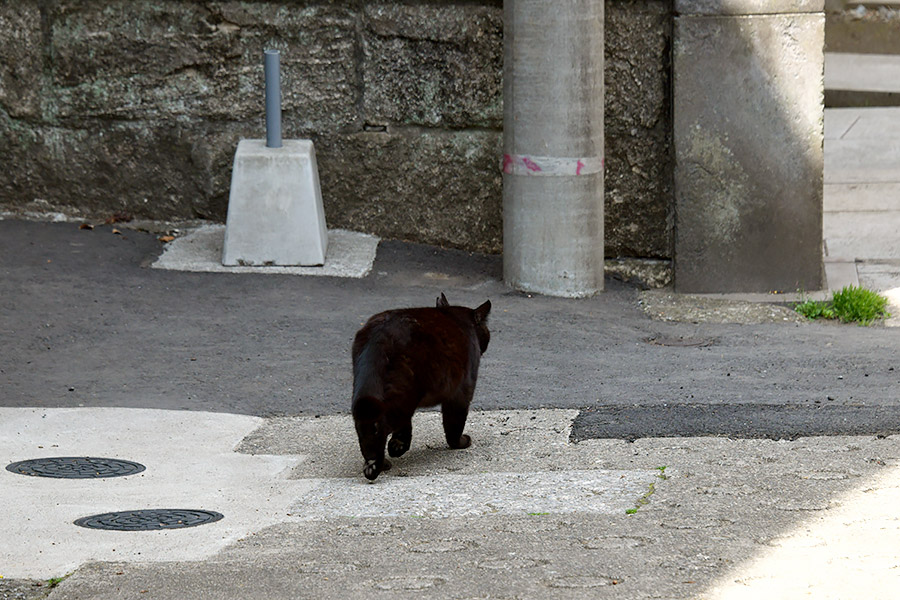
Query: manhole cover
column 681, row 342
column 149, row 520
column 75, row 467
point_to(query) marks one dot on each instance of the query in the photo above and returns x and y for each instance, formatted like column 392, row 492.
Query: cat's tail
column 367, row 408
column 369, row 366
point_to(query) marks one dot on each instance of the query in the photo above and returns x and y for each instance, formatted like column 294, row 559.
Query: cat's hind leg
column 400, row 441
column 368, row 417
column 454, row 413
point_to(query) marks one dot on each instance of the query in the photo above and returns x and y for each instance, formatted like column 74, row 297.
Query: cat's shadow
column 428, row 455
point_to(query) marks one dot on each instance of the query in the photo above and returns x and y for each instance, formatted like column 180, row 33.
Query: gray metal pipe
column 553, row 146
column 272, row 69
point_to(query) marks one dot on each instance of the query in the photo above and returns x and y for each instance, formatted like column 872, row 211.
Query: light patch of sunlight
column 893, row 296
column 850, row 551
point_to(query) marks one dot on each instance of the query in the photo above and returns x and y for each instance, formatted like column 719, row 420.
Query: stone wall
column 118, row 106
column 864, row 30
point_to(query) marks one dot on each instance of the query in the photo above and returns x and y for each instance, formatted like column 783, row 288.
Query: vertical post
column 553, row 146
column 273, row 99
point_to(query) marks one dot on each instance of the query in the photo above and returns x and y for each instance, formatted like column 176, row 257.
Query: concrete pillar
column 553, row 146
column 748, row 133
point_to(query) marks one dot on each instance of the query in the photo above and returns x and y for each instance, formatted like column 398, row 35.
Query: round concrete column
column 553, row 146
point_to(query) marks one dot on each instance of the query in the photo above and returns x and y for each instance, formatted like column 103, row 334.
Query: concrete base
column 275, row 213
column 350, row 254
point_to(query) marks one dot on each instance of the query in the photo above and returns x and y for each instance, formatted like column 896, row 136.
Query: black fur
column 412, row 357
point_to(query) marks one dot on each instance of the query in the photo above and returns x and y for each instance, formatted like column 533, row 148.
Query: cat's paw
column 371, row 470
column 397, row 447
column 464, row 442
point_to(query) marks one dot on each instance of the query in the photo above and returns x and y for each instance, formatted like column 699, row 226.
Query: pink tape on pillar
column 551, row 166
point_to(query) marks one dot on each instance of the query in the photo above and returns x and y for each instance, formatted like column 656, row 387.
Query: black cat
column 412, row 357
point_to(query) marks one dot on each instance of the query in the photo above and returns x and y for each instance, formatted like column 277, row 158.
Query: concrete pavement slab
column 842, row 553
column 861, row 146
column 688, row 516
column 466, row 495
column 190, row 464
column 838, row 121
column 884, row 276
column 350, row 254
column 503, row 441
column 840, row 273
column 715, row 513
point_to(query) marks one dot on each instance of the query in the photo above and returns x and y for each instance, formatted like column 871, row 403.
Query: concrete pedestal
column 748, row 131
column 275, row 212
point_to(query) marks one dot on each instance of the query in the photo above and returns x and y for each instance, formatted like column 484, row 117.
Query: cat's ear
column 442, row 301
column 481, row 313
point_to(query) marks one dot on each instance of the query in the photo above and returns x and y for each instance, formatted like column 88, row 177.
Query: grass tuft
column 860, row 305
column 850, row 305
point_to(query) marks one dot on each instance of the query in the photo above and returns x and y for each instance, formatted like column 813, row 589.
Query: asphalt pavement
column 636, row 444
column 614, row 452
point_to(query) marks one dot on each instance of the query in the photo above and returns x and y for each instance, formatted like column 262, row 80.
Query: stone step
column 874, row 3
column 853, row 79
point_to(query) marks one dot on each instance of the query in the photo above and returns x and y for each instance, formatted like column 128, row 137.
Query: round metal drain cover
column 75, row 467
column 149, row 520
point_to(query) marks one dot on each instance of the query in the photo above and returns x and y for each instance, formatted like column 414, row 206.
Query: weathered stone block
column 638, row 190
column 748, row 140
column 21, row 59
column 125, row 60
column 433, row 65
column 172, row 171
column 434, row 187
column 747, row 7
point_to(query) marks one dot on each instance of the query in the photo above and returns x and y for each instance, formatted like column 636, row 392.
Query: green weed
column 55, row 581
column 860, row 305
column 815, row 309
column 645, row 499
column 850, row 305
